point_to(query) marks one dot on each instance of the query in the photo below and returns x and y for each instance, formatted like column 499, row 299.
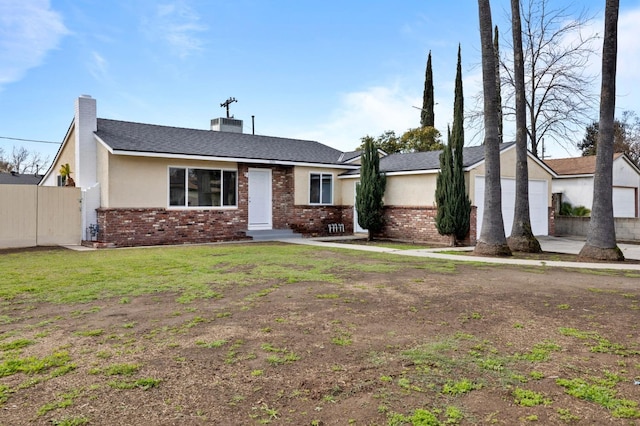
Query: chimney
column 86, row 124
column 223, row 124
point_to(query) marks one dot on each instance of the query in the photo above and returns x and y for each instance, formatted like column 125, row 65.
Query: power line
column 29, row 140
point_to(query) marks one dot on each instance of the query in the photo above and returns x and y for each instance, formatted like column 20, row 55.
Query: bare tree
column 601, row 237
column 492, row 240
column 4, row 164
column 559, row 95
column 22, row 160
column 558, row 88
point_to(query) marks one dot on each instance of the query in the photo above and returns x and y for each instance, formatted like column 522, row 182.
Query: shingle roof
column 430, row 160
column 150, row 138
column 19, row 179
column 575, row 165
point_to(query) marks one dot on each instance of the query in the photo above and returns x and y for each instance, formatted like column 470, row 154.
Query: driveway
column 573, row 245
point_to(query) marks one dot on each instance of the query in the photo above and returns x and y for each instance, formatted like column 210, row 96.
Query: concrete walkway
column 549, row 244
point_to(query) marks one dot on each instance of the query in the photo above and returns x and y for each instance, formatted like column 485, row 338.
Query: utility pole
column 226, row 104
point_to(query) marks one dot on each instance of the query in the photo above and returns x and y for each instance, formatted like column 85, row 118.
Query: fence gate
column 39, row 216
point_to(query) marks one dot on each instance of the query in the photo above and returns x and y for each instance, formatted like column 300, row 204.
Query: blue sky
column 331, row 71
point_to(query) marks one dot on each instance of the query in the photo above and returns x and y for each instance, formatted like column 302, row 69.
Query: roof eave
column 228, row 159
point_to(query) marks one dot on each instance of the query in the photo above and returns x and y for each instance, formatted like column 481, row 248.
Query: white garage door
column 624, row 202
column 538, row 204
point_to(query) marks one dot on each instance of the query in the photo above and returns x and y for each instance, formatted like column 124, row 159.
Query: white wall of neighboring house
column 578, row 190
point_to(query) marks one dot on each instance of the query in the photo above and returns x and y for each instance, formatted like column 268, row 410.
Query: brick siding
column 136, row 227
column 419, row 224
column 313, row 221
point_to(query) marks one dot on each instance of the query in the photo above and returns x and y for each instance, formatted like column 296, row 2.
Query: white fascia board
column 542, row 164
column 404, row 173
column 228, row 159
column 55, row 159
column 107, row 147
column 585, row 175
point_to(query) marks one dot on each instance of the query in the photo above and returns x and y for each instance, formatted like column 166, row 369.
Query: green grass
column 144, row 384
column 601, row 393
column 192, row 272
column 32, row 364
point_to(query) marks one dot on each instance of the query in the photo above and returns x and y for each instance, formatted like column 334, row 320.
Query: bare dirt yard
column 387, row 341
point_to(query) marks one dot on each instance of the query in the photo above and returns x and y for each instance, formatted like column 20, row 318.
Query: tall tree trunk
column 601, row 237
column 522, row 238
column 496, row 48
column 492, row 240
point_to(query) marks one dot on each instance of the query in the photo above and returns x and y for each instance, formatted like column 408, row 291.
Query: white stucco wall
column 578, row 191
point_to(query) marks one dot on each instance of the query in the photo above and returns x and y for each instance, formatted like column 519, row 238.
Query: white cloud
column 28, row 31
column 178, row 25
column 368, row 112
column 628, row 68
column 98, row 67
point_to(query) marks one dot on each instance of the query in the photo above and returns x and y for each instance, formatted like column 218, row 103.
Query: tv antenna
column 226, row 104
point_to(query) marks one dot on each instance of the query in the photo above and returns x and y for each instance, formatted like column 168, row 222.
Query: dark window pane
column 176, row 187
column 314, row 189
column 229, row 188
column 326, row 189
column 204, row 188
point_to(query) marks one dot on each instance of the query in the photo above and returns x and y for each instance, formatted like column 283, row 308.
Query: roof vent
column 226, row 125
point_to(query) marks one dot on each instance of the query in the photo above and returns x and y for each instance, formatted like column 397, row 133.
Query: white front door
column 259, row 199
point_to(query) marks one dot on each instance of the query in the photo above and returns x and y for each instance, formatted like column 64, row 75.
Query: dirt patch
column 374, row 346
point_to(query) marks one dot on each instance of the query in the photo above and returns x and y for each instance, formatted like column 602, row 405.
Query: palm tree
column 65, row 172
column 492, row 240
column 522, row 238
column 601, row 237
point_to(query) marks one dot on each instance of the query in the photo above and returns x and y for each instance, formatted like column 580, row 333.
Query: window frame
column 322, row 175
column 186, row 206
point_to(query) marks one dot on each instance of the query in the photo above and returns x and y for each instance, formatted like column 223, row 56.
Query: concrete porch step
column 272, row 234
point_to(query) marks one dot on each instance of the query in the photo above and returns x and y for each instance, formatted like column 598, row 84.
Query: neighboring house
column 574, row 182
column 13, row 178
column 410, row 206
column 145, row 184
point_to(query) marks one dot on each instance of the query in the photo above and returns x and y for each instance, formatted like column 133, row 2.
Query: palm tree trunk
column 492, row 240
column 601, row 237
column 522, row 238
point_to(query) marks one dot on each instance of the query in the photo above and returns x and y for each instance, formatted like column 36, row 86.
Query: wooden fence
column 39, row 216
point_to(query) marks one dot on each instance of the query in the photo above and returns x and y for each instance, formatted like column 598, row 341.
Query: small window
column 202, row 187
column 321, row 188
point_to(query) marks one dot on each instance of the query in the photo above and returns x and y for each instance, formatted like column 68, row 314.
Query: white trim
column 186, row 185
column 231, row 159
column 55, row 159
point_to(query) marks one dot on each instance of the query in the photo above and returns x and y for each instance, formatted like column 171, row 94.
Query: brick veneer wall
column 136, row 227
column 419, row 224
column 282, row 188
column 313, row 221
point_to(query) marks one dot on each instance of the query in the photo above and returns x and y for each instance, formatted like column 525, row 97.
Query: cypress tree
column 370, row 191
column 445, row 217
column 461, row 203
column 427, row 114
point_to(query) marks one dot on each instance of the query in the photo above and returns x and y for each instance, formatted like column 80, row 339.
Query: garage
column 624, row 202
column 538, row 204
